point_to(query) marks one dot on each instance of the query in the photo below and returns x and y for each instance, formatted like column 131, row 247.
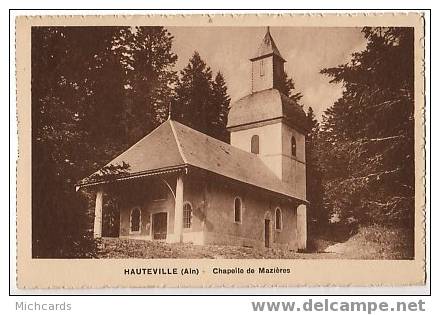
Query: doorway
column 266, row 232
column 160, row 226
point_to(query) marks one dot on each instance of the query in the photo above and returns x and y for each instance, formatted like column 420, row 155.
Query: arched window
column 187, row 215
column 255, row 144
column 278, row 219
column 237, row 210
column 293, row 145
column 135, row 220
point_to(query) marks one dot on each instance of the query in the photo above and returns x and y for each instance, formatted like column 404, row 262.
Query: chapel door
column 160, row 226
column 266, row 232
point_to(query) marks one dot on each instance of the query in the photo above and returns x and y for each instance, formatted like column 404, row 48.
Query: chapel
column 184, row 186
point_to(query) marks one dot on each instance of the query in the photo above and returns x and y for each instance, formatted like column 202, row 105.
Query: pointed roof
column 173, row 146
column 267, row 47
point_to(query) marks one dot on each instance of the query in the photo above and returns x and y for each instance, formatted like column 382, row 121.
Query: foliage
column 83, row 82
column 108, row 173
column 367, row 138
column 200, row 101
column 287, row 87
column 95, row 92
column 63, row 135
column 220, row 109
column 148, row 63
column 316, row 215
column 377, row 242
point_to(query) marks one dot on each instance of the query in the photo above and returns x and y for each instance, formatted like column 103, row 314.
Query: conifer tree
column 193, row 93
column 288, row 89
column 82, row 79
column 220, row 108
column 317, row 216
column 368, row 134
column 149, row 62
column 201, row 102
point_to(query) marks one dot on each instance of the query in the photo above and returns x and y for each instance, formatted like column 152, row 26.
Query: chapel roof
column 264, row 106
column 267, row 47
column 173, row 145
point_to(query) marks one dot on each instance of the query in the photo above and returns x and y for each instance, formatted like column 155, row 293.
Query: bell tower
column 270, row 125
column 267, row 65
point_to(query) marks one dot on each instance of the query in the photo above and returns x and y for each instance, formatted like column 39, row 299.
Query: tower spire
column 267, row 65
column 267, row 47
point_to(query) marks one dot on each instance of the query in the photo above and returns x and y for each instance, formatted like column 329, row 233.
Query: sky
column 307, row 50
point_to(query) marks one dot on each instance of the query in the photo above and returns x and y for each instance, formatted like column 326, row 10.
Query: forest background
column 98, row 90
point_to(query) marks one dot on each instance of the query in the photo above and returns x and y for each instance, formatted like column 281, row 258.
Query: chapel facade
column 185, row 186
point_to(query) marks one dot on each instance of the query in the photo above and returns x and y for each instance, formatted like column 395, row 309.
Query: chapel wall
column 140, row 194
column 194, row 193
column 258, row 205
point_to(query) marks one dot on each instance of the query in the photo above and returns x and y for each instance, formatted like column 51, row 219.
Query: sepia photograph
column 228, row 142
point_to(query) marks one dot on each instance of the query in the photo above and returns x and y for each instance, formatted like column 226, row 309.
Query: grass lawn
column 370, row 243
column 118, row 248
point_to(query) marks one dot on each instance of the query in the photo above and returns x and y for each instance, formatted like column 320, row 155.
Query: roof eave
column 267, row 55
column 165, row 170
column 286, row 195
column 239, row 126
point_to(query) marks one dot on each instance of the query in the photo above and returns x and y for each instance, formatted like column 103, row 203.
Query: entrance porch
column 151, row 208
